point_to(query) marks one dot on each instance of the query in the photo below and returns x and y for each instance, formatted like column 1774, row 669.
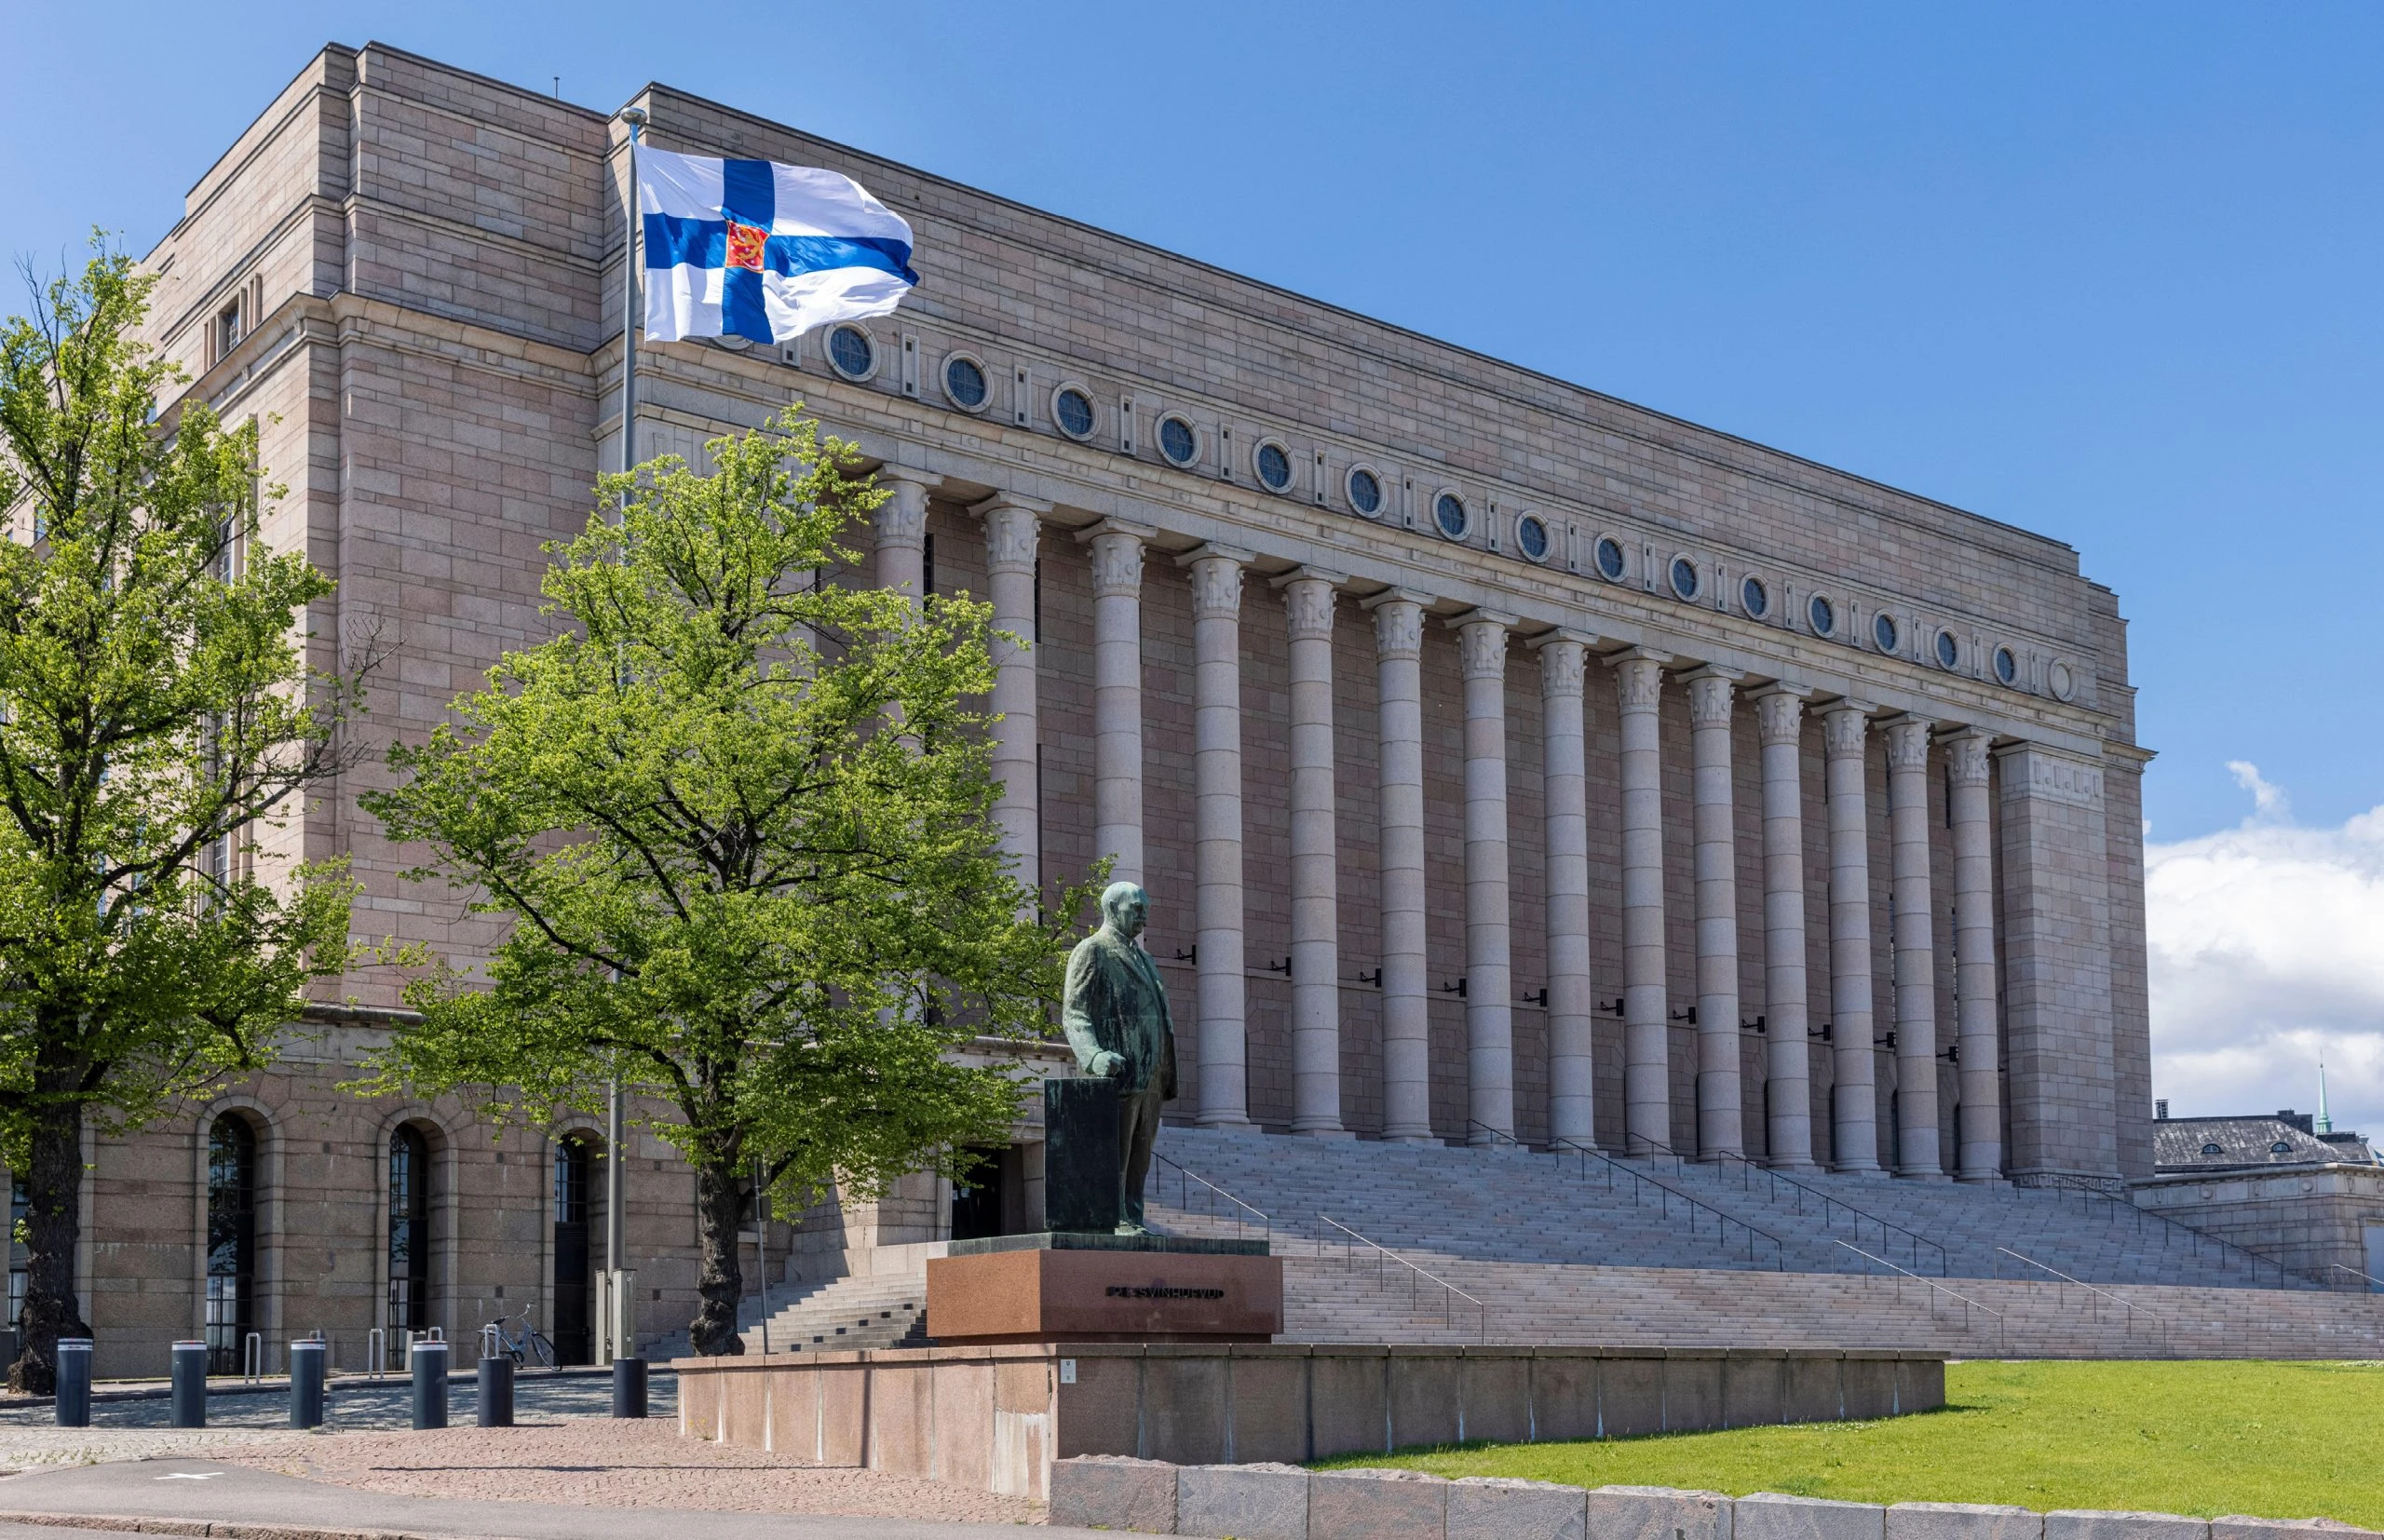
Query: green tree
column 739, row 819
column 157, row 712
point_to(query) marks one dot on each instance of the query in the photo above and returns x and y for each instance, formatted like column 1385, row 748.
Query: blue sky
column 2108, row 272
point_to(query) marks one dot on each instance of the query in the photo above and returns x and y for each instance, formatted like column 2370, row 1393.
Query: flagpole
column 635, row 118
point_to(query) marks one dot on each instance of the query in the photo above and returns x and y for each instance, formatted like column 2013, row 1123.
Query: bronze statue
column 1114, row 1014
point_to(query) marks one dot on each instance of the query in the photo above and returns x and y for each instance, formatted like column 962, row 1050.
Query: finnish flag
column 753, row 249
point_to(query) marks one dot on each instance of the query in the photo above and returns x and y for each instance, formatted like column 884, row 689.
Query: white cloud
column 2267, row 952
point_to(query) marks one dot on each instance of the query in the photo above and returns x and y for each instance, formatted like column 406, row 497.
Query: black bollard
column 74, row 1382
column 496, row 1392
column 307, row 1359
column 190, row 1384
column 629, row 1388
column 429, row 1384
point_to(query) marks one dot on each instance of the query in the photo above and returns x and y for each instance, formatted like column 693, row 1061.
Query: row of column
column 1311, row 598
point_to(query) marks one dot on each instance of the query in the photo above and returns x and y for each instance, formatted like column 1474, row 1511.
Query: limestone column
column 1720, row 1128
column 1012, row 524
column 1489, row 973
column 2053, row 833
column 901, row 525
column 1316, row 920
column 1780, row 710
column 1915, row 960
column 1571, row 1007
column 1216, row 833
column 1406, row 1014
column 1118, row 694
column 1646, row 1075
column 1979, row 1120
column 1854, row 1118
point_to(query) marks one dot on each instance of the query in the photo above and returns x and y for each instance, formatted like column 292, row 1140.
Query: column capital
column 901, row 522
column 1843, row 724
column 1398, row 623
column 1562, row 661
column 1217, row 581
column 1420, row 600
column 1483, row 634
column 1307, row 601
column 1907, row 738
column 1012, row 526
column 926, row 481
column 1639, row 678
column 1307, row 574
column 1709, row 696
column 1779, row 712
column 1116, row 557
column 1967, row 755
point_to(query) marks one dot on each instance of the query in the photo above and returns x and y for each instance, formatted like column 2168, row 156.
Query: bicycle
column 529, row 1343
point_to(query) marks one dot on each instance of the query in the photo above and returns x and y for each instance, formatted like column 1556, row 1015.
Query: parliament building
column 1508, row 764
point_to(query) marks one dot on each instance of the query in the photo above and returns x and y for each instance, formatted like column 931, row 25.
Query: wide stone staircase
column 840, row 1316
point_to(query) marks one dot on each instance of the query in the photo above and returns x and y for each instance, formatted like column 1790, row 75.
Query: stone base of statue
column 1061, row 1286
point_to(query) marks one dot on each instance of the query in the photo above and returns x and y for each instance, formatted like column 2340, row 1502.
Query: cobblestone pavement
column 139, row 1430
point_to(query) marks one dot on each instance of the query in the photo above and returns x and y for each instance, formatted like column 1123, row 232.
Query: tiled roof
column 2183, row 1145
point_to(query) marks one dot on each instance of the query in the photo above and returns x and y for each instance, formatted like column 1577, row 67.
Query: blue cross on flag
column 753, row 249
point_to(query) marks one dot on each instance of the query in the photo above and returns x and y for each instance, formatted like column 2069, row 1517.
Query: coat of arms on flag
column 753, row 249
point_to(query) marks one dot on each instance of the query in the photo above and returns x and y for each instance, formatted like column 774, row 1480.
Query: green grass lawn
column 2277, row 1441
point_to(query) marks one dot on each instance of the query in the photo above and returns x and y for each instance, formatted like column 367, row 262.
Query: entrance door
column 575, row 1342
column 2375, row 1256
column 977, row 1204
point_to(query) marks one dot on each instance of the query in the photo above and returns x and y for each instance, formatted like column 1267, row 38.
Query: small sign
column 1067, row 1372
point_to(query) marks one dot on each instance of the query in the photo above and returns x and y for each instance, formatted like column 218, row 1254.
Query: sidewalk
column 222, row 1495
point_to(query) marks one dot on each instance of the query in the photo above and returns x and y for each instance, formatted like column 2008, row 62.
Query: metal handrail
column 1185, row 1175
column 1450, row 1294
column 2375, row 1284
column 2002, row 1335
column 2061, row 1182
column 2129, row 1305
column 1914, row 1240
column 1560, row 1147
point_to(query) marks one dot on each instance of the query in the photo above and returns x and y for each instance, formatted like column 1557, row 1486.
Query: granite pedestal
column 1063, row 1287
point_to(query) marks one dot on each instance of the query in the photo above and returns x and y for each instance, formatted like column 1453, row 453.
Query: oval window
column 964, row 381
column 1531, row 536
column 1884, row 632
column 1072, row 409
column 1449, row 513
column 851, row 350
column 1610, row 563
column 1823, row 615
column 1684, row 577
column 2006, row 668
column 1177, row 441
column 1754, row 598
column 1364, row 491
column 1949, row 652
column 1273, row 467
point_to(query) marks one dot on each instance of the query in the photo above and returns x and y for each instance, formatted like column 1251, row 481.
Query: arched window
column 409, row 1238
column 575, row 1342
column 231, row 1241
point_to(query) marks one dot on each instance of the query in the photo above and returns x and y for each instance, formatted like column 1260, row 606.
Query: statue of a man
column 1114, row 1014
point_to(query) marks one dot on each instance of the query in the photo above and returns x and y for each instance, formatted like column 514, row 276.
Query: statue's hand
column 1105, row 1064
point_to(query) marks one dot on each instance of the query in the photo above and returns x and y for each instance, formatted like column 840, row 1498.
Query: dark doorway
column 992, row 1199
column 231, row 1242
column 409, row 1240
column 575, row 1342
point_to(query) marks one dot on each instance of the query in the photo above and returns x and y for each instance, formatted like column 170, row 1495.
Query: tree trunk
column 721, row 1283
column 53, row 1227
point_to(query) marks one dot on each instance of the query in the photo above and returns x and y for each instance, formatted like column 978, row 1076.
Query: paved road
column 195, row 1489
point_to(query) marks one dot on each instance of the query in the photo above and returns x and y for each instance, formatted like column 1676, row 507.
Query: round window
column 2061, row 682
column 2006, row 668
column 1274, row 467
column 851, row 352
column 1072, row 409
column 1177, row 441
column 1949, row 652
column 964, row 381
column 1610, row 558
column 1684, row 577
column 1364, row 491
column 1823, row 615
column 1449, row 513
column 1531, row 536
column 1883, row 631
column 1754, row 598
